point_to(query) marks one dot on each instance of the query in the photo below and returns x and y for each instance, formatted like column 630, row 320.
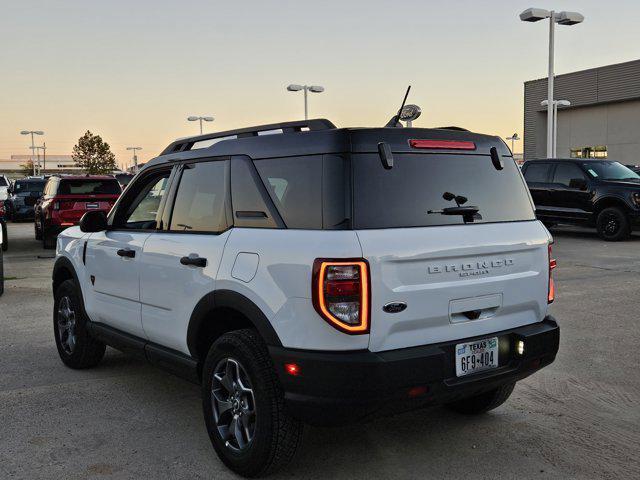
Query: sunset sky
column 132, row 71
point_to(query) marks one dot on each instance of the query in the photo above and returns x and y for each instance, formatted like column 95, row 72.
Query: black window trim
column 175, row 184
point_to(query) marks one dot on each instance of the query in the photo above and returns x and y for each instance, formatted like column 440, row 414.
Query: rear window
column 89, row 187
column 3, row 182
column 403, row 195
column 29, row 186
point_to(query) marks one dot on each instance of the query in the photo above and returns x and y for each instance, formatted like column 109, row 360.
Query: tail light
column 341, row 294
column 552, row 266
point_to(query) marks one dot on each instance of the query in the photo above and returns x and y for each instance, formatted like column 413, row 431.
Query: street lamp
column 307, row 88
column 556, row 104
column 194, row 118
column 513, row 139
column 135, row 157
column 561, row 18
column 32, row 133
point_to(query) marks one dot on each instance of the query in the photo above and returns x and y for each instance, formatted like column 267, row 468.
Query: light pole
column 32, row 133
column 37, row 149
column 306, row 88
column 135, row 157
column 554, row 121
column 194, row 118
column 561, row 18
column 513, row 139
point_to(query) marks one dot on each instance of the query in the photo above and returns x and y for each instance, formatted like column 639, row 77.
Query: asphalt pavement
column 576, row 419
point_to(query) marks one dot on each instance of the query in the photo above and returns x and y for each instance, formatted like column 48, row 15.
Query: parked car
column 600, row 193
column 305, row 273
column 66, row 198
column 4, row 187
column 23, row 195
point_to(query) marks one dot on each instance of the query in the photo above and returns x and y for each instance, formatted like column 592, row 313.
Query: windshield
column 22, row 187
column 89, row 187
column 411, row 193
column 610, row 171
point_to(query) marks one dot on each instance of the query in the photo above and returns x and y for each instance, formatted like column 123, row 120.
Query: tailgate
column 458, row 281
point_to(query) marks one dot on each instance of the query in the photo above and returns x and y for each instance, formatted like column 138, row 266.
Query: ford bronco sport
column 306, row 273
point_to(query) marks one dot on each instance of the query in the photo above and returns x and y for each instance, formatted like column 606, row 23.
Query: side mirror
column 95, row 221
column 578, row 183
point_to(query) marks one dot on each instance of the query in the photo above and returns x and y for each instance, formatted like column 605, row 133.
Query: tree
column 27, row 168
column 94, row 155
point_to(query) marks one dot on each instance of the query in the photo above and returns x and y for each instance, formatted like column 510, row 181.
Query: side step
column 167, row 359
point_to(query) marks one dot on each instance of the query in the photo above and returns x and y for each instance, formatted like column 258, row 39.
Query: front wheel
column 243, row 404
column 77, row 349
column 37, row 229
column 483, row 402
column 613, row 225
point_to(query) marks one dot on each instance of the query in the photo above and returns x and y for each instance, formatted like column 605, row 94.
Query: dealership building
column 603, row 120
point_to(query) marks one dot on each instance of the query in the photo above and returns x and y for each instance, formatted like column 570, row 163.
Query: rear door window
column 537, row 172
column 411, row 193
column 201, row 203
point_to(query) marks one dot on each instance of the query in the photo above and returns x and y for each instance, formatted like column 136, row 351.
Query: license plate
column 92, row 205
column 476, row 356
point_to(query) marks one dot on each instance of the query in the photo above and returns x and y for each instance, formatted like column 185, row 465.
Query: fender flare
column 64, row 263
column 233, row 300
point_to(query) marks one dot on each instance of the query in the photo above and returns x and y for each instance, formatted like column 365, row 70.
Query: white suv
column 305, row 273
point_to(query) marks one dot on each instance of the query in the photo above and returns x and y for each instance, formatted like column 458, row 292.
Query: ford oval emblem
column 394, row 307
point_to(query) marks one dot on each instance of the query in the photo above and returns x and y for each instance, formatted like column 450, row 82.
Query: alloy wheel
column 234, row 406
column 67, row 325
column 611, row 225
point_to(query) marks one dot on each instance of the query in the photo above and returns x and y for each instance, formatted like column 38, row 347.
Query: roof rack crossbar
column 286, row 127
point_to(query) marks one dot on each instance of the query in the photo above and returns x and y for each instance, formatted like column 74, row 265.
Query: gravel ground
column 578, row 418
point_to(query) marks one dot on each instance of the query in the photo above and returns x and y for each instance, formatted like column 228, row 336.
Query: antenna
column 393, row 123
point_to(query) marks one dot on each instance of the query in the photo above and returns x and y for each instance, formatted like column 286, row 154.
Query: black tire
column 613, row 224
column 5, row 237
column 48, row 240
column 1, row 274
column 276, row 435
column 85, row 352
column 37, row 231
column 483, row 402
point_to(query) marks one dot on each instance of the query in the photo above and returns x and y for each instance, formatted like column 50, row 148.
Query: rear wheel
column 48, row 239
column 243, row 405
column 613, row 225
column 77, row 349
column 483, row 402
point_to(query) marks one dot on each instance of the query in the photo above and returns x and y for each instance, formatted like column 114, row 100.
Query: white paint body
column 498, row 269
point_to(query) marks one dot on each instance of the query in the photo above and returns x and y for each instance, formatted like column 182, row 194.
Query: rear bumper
column 337, row 387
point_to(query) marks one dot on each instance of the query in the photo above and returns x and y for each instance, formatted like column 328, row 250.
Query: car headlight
column 635, row 197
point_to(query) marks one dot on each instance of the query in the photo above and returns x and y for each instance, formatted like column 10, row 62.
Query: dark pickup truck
column 593, row 192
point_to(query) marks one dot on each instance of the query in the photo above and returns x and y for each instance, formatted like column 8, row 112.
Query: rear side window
column 411, row 193
column 89, row 187
column 201, row 200
column 309, row 192
column 537, row 172
column 295, row 186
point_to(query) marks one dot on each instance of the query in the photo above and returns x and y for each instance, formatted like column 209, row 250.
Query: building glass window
column 598, row 151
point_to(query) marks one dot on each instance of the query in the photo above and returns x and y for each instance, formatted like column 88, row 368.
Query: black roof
column 317, row 136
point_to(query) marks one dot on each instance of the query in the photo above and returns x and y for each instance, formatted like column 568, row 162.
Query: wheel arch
column 222, row 311
column 609, row 201
column 63, row 269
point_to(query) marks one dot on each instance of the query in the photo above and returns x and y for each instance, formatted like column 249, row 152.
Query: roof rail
column 458, row 129
column 184, row 144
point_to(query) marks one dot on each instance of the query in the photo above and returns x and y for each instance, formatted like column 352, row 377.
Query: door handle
column 126, row 252
column 195, row 261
